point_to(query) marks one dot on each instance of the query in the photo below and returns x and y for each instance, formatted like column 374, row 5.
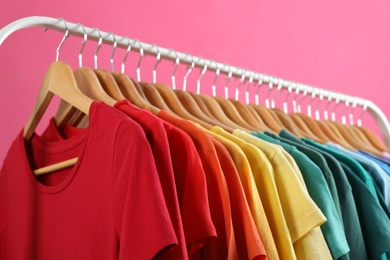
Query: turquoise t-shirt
column 352, row 226
column 332, row 230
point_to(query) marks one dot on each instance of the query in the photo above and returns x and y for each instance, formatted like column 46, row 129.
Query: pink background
column 337, row 45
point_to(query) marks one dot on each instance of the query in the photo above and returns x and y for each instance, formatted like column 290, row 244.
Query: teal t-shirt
column 374, row 221
column 317, row 187
column 352, row 226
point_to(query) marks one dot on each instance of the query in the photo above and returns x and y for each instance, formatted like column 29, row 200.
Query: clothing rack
column 169, row 54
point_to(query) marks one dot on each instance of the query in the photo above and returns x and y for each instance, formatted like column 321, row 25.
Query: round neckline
column 81, row 139
column 56, row 147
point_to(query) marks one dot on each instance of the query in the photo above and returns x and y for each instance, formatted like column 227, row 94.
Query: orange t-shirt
column 224, row 247
column 249, row 244
column 238, row 150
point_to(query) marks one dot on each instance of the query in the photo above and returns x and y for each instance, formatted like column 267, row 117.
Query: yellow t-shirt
column 301, row 213
column 262, row 174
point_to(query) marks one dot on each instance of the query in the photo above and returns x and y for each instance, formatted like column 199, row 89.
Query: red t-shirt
column 158, row 140
column 224, row 247
column 188, row 171
column 191, row 189
column 249, row 245
column 109, row 205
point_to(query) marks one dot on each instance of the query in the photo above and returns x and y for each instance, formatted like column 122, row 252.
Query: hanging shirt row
column 153, row 185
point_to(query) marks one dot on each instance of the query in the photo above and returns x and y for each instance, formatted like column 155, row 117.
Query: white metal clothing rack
column 123, row 42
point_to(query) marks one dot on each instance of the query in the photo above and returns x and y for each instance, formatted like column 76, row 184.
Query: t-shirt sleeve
column 143, row 223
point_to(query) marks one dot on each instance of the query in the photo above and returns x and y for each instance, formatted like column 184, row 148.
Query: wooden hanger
column 154, row 97
column 174, row 103
column 366, row 135
column 130, row 92
column 88, row 82
column 353, row 139
column 247, row 114
column 329, row 129
column 289, row 123
column 218, row 113
column 60, row 81
column 359, row 134
column 202, row 105
column 192, row 106
column 172, row 100
column 209, row 105
column 284, row 118
column 245, row 111
column 230, row 110
column 373, row 138
column 271, row 120
column 109, row 84
column 267, row 115
column 349, row 134
column 311, row 126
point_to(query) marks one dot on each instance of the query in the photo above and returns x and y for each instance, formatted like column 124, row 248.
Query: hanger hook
column 279, row 82
column 85, row 38
column 294, row 101
column 227, row 80
column 216, row 76
column 95, row 56
column 189, row 70
column 337, row 103
column 176, row 62
column 66, row 35
column 201, row 74
column 321, row 99
column 299, row 106
column 158, row 60
column 115, row 44
column 312, row 97
column 289, row 91
column 128, row 49
column 141, row 56
column 352, row 111
column 250, row 84
column 364, row 109
column 329, row 101
column 270, row 88
column 344, row 117
column 259, row 84
column 239, row 84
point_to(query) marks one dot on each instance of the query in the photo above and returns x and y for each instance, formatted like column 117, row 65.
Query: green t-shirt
column 332, row 230
column 352, row 227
